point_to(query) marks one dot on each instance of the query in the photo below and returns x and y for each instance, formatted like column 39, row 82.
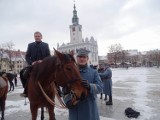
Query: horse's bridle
column 70, row 81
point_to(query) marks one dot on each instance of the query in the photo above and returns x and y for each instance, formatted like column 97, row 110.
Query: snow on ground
column 135, row 77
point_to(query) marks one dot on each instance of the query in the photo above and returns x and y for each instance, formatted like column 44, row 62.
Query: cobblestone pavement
column 138, row 88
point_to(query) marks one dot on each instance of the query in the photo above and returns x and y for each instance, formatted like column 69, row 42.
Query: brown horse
column 3, row 94
column 59, row 69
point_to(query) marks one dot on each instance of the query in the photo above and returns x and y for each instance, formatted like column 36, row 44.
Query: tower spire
column 75, row 19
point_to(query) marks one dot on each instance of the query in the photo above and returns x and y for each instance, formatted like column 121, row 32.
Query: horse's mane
column 41, row 71
column 45, row 71
column 69, row 57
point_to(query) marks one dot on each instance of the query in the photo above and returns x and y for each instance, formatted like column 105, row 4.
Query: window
column 73, row 29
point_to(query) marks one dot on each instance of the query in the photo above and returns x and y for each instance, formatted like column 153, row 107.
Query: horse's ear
column 72, row 53
column 59, row 55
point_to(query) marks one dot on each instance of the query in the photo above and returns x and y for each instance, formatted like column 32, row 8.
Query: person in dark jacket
column 86, row 109
column 36, row 52
column 100, row 70
column 106, row 76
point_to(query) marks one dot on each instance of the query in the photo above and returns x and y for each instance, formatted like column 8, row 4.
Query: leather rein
column 62, row 104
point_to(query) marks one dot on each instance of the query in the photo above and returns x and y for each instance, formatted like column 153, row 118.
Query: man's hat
column 82, row 52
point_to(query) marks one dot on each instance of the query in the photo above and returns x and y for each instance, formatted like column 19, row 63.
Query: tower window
column 73, row 29
column 79, row 29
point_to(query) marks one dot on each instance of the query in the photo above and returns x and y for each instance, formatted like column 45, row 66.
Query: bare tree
column 9, row 49
column 134, row 60
column 115, row 53
column 153, row 57
column 124, row 56
column 156, row 57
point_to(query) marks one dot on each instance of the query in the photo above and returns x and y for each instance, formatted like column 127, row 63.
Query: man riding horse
column 36, row 52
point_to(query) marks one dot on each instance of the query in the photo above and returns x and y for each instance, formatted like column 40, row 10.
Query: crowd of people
column 95, row 81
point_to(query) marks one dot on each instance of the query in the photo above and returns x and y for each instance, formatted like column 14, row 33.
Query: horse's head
column 68, row 76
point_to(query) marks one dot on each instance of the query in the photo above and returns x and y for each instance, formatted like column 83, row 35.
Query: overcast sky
column 135, row 24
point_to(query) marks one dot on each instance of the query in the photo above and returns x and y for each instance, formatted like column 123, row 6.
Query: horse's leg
column 51, row 113
column 42, row 113
column 15, row 81
column 2, row 118
column 2, row 108
column 12, row 86
column 34, row 110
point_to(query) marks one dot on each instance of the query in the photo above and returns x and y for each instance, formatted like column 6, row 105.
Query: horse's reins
column 69, row 82
column 50, row 100
column 60, row 100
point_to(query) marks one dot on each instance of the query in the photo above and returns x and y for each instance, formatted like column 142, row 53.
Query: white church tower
column 77, row 42
column 75, row 28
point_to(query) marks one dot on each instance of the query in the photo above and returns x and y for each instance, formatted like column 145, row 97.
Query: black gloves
column 70, row 105
column 86, row 84
column 65, row 90
column 67, row 98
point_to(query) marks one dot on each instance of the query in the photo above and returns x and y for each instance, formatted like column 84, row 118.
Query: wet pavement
column 138, row 88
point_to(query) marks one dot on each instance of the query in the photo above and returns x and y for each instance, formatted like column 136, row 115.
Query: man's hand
column 86, row 84
column 38, row 61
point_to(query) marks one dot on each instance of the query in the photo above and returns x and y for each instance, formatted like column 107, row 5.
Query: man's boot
column 26, row 73
column 105, row 98
column 110, row 101
column 101, row 96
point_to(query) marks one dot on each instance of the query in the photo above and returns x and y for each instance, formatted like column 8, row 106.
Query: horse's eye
column 69, row 69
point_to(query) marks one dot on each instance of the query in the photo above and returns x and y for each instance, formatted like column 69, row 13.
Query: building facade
column 77, row 42
column 12, row 61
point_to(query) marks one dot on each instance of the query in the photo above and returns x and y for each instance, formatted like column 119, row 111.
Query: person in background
column 100, row 70
column 15, row 79
column 106, row 76
column 86, row 109
column 36, row 52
